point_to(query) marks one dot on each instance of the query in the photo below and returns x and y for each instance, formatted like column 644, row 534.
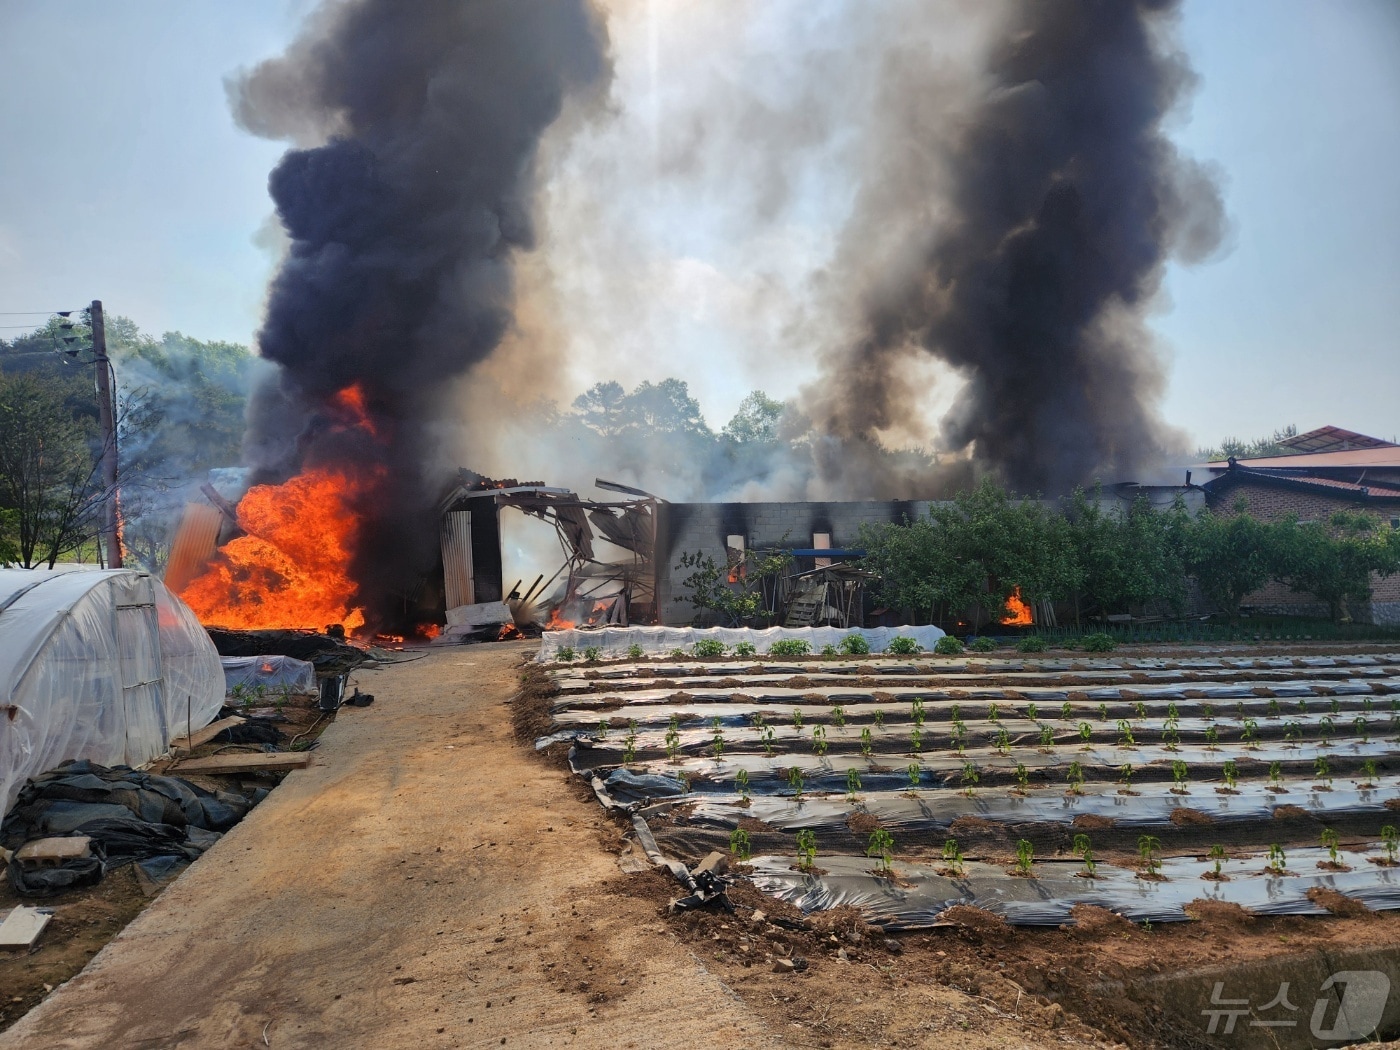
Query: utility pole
column 107, row 418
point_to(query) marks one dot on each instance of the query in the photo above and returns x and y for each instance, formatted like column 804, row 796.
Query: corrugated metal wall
column 457, row 558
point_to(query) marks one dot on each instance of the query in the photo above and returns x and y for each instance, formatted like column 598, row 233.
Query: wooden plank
column 244, row 763
column 208, row 733
column 22, row 927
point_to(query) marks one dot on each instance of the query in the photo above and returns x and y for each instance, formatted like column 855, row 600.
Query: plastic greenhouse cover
column 616, row 641
column 917, row 897
column 274, row 674
column 105, row 665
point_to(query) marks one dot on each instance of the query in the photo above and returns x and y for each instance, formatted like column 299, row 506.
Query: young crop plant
column 1368, row 773
column 1217, row 853
column 1212, row 737
column 1326, row 727
column 1231, row 773
column 916, row 711
column 1208, row 711
column 1140, row 709
column 916, row 740
column 1003, row 740
column 1023, row 778
column 1390, row 842
column 673, row 742
column 970, row 777
column 1336, row 705
column 678, row 654
column 1075, row 777
column 913, row 771
column 838, row 715
column 901, row 645
column 959, row 736
column 1273, row 707
column 1150, row 853
column 745, row 649
column 739, row 844
column 819, row 741
column 741, row 784
column 1099, row 643
column 1025, row 857
column 955, row 713
column 1031, row 710
column 634, row 652
column 983, row 645
column 829, row 650
column 629, row 744
column 1278, row 861
column 1331, row 841
column 1171, row 737
column 1085, row 852
column 1292, row 730
column 867, row 742
column 1125, row 734
column 794, row 779
column 603, row 728
column 954, row 856
column 1276, row 775
column 879, row 718
column 1125, row 777
column 855, row 645
column 852, row 784
column 789, row 647
column 881, row 846
column 1047, row 737
column 1362, row 729
column 567, row 653
column 1173, row 714
column 1066, row 712
column 1086, row 733
column 766, row 737
column 948, row 646
column 806, row 849
column 993, row 712
column 1032, row 644
column 1250, row 733
column 593, row 654
column 1103, row 712
column 710, row 647
column 797, row 720
column 1180, row 771
column 1323, row 770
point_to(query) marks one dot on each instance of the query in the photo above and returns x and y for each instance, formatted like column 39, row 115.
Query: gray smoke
column 1064, row 202
column 405, row 206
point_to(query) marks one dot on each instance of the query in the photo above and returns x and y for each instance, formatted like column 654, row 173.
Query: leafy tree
column 1255, row 449
column 600, row 408
column 1129, row 557
column 1335, row 561
column 735, row 593
column 1230, row 557
column 755, row 421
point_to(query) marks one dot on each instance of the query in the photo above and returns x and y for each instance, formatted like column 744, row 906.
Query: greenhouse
column 105, row 665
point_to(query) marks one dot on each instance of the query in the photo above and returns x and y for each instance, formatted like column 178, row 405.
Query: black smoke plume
column 419, row 124
column 1065, row 202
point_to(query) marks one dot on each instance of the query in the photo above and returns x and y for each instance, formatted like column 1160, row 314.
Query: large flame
column 1018, row 613
column 291, row 569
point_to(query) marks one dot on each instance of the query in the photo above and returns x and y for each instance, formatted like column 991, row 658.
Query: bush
column 902, row 646
column 634, row 652
column 1032, row 644
column 593, row 654
column 829, row 650
column 710, row 647
column 1099, row 643
column 948, row 646
column 745, row 649
column 789, row 647
column 983, row 645
column 855, row 645
column 566, row 653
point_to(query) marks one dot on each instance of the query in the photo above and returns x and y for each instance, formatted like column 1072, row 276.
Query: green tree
column 755, row 421
column 1335, row 561
column 736, row 594
column 1127, row 557
column 1230, row 557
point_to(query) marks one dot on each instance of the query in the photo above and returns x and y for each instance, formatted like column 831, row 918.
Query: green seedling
column 1031, row 710
column 901, row 645
column 1212, row 737
column 959, row 736
column 1149, row 851
column 1075, row 776
column 745, row 649
column 1082, row 850
column 1003, row 740
column 789, row 647
column 1368, row 772
column 1303, row 706
column 766, row 737
column 1066, row 712
column 1330, row 840
column 954, row 856
column 1217, row 854
column 1275, row 773
column 739, row 844
column 1231, row 773
column 1033, row 644
column 1239, row 709
column 1125, row 734
column 948, row 646
column 1323, row 769
column 1025, row 856
column 881, row 846
column 1250, row 732
column 794, row 779
column 603, row 728
column 867, row 742
column 993, row 713
column 1086, row 732
column 567, row 653
column 1326, row 727
column 1362, row 729
column 838, row 715
column 1366, row 704
column 1273, row 707
column 855, row 645
column 806, row 849
column 678, row 654
column 634, row 652
column 1140, row 709
column 1292, row 730
column 593, row 654
column 1047, row 736
column 916, row 740
column 741, row 784
column 879, row 718
column 709, row 647
column 1171, row 737
column 1208, row 711
column 852, row 784
column 717, row 741
column 916, row 711
column 819, row 740
column 629, row 750
column 1180, row 771
column 1103, row 712
column 1390, row 842
column 1336, row 705
column 1278, row 861
column 1173, row 714
column 969, row 778
column 829, row 650
column 1125, row 775
column 673, row 744
column 797, row 720
column 1023, row 776
column 955, row 713
column 913, row 771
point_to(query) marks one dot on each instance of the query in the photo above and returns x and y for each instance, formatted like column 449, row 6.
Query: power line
column 33, row 313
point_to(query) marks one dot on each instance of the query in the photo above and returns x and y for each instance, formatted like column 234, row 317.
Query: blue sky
column 122, row 177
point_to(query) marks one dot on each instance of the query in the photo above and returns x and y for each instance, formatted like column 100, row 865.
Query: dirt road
column 427, row 883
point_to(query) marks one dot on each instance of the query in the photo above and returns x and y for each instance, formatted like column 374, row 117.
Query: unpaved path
column 426, row 883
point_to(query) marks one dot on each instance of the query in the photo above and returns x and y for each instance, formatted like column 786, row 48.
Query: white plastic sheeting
column 105, row 665
column 272, row 675
column 615, row 641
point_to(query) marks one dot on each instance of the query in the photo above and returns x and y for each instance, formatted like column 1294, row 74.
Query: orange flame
column 353, row 410
column 1018, row 613
column 510, row 632
column 290, row 570
column 427, row 630
column 556, row 622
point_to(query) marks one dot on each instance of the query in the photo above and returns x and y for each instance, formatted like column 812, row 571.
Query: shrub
column 855, row 645
column 789, row 647
column 634, row 652
column 1099, row 643
column 745, row 649
column 948, row 646
column 1032, row 644
column 710, row 647
column 829, row 650
column 983, row 645
column 593, row 654
column 902, row 646
column 567, row 653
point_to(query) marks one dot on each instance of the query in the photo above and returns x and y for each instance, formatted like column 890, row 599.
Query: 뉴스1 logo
column 1362, row 1004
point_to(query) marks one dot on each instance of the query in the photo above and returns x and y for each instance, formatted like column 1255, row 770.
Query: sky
column 123, row 177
